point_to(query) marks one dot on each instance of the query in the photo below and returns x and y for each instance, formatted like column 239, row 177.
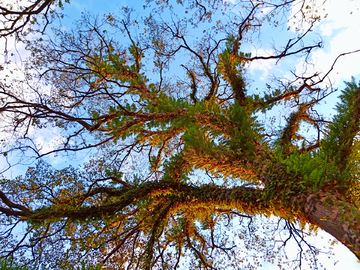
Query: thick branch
column 247, row 200
column 11, row 204
column 337, row 218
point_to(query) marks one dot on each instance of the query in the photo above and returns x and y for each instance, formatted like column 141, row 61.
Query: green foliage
column 61, row 3
column 312, row 168
column 230, row 58
column 262, row 100
column 341, row 131
column 7, row 264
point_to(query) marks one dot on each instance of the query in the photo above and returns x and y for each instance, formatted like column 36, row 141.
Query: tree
column 15, row 17
column 175, row 161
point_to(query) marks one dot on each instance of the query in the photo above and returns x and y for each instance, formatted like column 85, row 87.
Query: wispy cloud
column 338, row 27
column 264, row 66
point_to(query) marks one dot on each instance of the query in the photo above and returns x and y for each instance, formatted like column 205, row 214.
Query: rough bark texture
column 336, row 218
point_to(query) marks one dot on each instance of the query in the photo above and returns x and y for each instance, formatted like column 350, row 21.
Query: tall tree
column 180, row 165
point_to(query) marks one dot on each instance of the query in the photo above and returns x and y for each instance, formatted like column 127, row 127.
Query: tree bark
column 337, row 217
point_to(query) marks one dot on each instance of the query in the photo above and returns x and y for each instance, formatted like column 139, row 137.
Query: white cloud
column 339, row 14
column 49, row 141
column 264, row 66
column 230, row 1
column 333, row 14
column 346, row 66
column 339, row 27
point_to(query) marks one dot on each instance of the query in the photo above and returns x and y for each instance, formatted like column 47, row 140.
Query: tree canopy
column 181, row 167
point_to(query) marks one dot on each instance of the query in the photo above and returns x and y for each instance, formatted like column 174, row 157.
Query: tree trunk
column 337, row 217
